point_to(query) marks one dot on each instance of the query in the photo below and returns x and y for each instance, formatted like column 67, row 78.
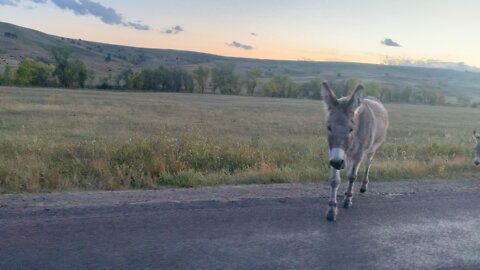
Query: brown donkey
column 356, row 127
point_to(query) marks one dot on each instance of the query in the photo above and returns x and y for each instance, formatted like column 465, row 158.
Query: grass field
column 54, row 139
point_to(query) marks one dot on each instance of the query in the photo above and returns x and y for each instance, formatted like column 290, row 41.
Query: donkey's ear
column 355, row 98
column 328, row 96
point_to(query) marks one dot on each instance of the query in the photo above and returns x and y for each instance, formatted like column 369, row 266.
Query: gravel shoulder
column 63, row 200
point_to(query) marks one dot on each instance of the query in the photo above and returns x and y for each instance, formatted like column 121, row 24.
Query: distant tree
column 280, row 86
column 440, row 99
column 182, row 81
column 108, row 58
column 33, row 73
column 121, row 80
column 61, row 56
column 386, row 95
column 159, row 79
column 77, row 73
column 311, row 89
column 200, row 74
column 269, row 88
column 224, row 79
column 7, row 77
column 343, row 87
column 250, row 80
column 104, row 83
column 70, row 73
column 372, row 88
column 136, row 81
column 350, row 85
column 409, row 95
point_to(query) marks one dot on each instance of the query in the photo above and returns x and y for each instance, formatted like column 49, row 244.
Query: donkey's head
column 340, row 122
column 477, row 148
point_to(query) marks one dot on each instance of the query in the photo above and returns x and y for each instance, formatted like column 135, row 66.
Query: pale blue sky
column 345, row 30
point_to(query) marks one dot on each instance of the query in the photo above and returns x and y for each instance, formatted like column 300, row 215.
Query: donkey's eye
column 329, row 128
column 350, row 131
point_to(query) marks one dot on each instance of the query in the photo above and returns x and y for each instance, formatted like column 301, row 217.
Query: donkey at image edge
column 356, row 127
column 476, row 161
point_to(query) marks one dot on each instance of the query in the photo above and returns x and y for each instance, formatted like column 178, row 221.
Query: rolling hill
column 17, row 43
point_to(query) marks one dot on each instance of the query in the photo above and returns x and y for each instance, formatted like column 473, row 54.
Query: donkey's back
column 373, row 124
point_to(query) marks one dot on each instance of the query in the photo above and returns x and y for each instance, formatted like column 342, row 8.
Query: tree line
column 222, row 78
column 65, row 72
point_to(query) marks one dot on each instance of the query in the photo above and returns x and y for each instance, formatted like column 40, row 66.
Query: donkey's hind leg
column 352, row 176
column 368, row 162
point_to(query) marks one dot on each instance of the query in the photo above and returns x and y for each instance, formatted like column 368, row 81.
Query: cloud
column 106, row 14
column 9, row 3
column 137, row 26
column 173, row 30
column 389, row 42
column 86, row 7
column 240, row 45
column 431, row 63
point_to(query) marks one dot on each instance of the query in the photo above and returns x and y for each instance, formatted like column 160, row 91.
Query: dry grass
column 54, row 139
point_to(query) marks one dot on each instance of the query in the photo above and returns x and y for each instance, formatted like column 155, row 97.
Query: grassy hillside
column 37, row 45
column 54, row 139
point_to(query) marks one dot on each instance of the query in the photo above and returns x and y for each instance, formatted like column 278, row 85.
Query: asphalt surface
column 398, row 225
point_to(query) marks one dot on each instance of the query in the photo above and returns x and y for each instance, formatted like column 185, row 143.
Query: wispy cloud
column 137, row 25
column 389, row 42
column 239, row 45
column 305, row 59
column 173, row 30
column 431, row 63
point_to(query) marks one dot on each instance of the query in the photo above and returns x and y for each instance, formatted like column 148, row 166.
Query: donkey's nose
column 337, row 163
column 477, row 162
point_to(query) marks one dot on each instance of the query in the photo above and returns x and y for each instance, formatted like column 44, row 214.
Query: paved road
column 400, row 225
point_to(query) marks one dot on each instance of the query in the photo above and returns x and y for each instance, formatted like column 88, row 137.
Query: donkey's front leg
column 368, row 163
column 352, row 176
column 332, row 204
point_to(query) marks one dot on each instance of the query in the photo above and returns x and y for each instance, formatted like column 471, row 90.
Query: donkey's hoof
column 347, row 203
column 363, row 189
column 332, row 214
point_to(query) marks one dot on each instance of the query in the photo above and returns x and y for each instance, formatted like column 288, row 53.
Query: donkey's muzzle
column 337, row 164
column 476, row 162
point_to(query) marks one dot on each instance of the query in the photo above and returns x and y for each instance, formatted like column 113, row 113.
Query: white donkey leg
column 368, row 162
column 352, row 176
column 332, row 204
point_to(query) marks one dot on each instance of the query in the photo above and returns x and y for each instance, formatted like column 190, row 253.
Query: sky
column 425, row 33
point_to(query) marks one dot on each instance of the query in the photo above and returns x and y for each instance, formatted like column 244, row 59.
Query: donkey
column 477, row 148
column 356, row 127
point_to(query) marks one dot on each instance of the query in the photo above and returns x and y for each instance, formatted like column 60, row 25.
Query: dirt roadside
column 62, row 200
